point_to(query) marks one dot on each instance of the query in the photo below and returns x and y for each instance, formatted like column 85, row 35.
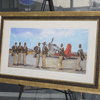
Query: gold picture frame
column 50, row 83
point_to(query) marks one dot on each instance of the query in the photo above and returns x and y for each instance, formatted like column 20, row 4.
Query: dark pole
column 43, row 5
column 51, row 6
column 66, row 95
column 21, row 91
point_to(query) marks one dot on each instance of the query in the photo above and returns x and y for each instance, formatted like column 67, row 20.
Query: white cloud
column 48, row 33
column 54, row 33
column 70, row 32
column 27, row 34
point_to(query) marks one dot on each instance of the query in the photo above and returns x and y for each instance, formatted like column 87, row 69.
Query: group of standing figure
column 19, row 50
column 37, row 50
column 44, row 54
column 80, row 58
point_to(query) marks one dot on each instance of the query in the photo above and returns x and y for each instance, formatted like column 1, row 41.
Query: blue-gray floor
column 11, row 92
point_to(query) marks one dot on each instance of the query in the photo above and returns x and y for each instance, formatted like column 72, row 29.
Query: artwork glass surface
column 55, row 50
column 66, row 49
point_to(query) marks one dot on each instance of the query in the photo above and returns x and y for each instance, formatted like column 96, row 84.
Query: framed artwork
column 50, row 49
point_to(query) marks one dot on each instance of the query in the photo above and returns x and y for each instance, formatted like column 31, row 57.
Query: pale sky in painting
column 34, row 35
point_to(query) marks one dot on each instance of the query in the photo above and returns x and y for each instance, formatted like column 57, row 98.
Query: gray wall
column 15, row 5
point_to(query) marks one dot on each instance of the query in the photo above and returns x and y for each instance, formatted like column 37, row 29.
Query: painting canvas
column 53, row 50
column 66, row 49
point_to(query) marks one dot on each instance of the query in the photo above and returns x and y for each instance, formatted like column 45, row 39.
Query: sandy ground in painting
column 51, row 64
